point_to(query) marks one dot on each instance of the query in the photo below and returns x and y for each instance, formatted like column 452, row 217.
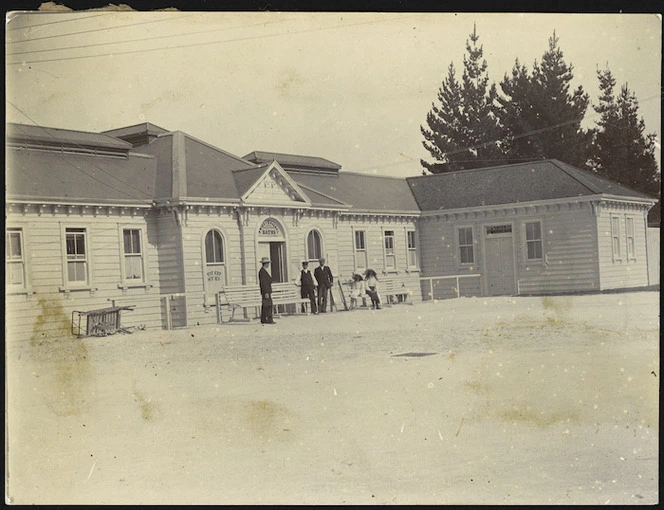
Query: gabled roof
column 289, row 190
column 190, row 168
column 508, row 184
column 293, row 161
column 18, row 133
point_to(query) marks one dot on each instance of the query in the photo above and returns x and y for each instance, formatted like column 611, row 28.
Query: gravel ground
column 525, row 400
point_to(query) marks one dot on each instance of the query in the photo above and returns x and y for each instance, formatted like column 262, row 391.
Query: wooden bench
column 249, row 296
column 391, row 287
column 285, row 293
column 239, row 296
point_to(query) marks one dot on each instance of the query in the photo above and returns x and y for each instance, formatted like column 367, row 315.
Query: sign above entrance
column 270, row 228
column 499, row 229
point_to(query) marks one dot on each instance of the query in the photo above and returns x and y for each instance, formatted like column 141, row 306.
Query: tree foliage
column 622, row 151
column 462, row 131
column 541, row 116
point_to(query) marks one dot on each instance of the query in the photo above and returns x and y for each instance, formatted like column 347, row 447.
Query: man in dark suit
column 265, row 281
column 324, row 278
column 307, row 286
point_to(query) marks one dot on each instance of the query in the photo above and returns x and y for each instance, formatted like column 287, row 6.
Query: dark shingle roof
column 62, row 137
column 361, row 191
column 508, row 184
column 64, row 177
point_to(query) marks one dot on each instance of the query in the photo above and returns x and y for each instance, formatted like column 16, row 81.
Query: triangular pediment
column 275, row 187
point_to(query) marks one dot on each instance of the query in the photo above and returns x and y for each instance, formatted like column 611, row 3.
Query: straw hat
column 265, row 260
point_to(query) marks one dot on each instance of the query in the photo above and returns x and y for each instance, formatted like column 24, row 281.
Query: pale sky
column 351, row 88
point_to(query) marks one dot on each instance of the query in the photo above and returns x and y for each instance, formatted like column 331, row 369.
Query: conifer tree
column 622, row 151
column 542, row 118
column 462, row 131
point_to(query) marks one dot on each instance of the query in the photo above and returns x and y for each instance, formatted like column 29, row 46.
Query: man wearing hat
column 324, row 278
column 265, row 281
column 307, row 286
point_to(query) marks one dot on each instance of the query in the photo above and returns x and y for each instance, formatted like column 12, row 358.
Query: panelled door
column 499, row 260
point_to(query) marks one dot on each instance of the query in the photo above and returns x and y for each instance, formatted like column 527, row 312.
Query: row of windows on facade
column 77, row 260
column 534, row 249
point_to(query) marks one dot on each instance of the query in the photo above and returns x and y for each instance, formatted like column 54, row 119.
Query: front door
column 278, row 261
column 499, row 260
column 276, row 252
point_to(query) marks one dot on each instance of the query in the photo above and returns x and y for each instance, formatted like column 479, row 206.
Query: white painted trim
column 494, row 222
column 206, row 228
column 260, row 219
column 266, row 174
column 394, row 249
column 66, row 284
column 457, row 246
column 410, row 228
column 366, row 254
column 524, row 242
column 25, row 286
column 123, row 276
column 323, row 252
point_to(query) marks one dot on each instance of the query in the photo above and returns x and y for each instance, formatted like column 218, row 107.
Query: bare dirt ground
column 517, row 401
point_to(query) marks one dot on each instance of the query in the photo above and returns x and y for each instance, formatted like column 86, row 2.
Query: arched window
column 214, row 248
column 314, row 245
column 215, row 267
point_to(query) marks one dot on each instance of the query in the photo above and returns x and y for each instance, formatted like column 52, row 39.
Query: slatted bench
column 239, row 296
column 285, row 293
column 249, row 296
column 391, row 287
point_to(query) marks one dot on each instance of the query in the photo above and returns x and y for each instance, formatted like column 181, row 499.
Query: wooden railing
column 455, row 277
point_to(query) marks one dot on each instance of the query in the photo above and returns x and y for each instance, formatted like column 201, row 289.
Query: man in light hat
column 323, row 276
column 307, row 287
column 265, row 281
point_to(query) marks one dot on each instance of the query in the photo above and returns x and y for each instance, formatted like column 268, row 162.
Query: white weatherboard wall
column 45, row 309
column 569, row 241
column 570, row 262
column 653, row 256
column 621, row 271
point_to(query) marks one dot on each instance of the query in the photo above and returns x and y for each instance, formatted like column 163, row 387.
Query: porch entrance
column 276, row 252
column 499, row 260
column 272, row 244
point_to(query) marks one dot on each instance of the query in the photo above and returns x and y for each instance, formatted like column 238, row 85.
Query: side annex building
column 163, row 221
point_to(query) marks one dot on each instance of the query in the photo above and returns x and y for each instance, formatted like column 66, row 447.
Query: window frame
column 360, row 252
column 321, row 245
column 413, row 249
column 615, row 237
column 223, row 265
column 458, row 229
column 126, row 281
column 628, row 255
column 76, row 285
column 9, row 259
column 393, row 237
column 525, row 241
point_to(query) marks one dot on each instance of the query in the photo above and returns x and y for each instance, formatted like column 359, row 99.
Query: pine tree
column 622, row 152
column 462, row 132
column 540, row 114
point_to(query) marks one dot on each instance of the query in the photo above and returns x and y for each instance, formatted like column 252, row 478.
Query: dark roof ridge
column 483, row 168
column 136, row 125
column 263, row 165
column 571, row 170
column 19, row 124
column 363, row 174
column 209, row 145
column 292, row 154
